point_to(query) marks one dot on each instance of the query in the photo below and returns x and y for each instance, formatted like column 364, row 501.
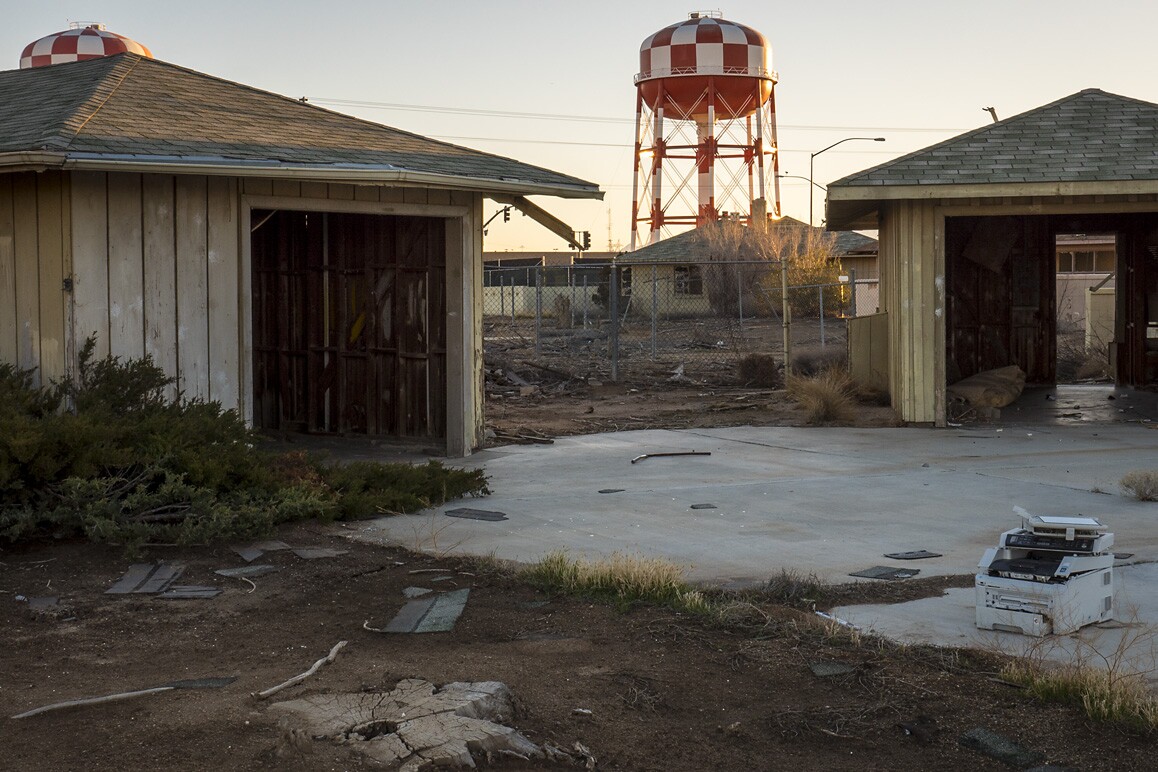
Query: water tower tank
column 79, row 42
column 705, row 121
column 676, row 63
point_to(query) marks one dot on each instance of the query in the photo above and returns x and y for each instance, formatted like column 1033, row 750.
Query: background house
column 317, row 272
column 969, row 245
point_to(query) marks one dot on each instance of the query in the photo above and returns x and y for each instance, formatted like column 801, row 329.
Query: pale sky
column 913, row 72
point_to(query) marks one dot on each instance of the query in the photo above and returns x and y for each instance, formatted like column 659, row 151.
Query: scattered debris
column 887, row 573
column 831, row 669
column 416, row 592
column 429, row 615
column 475, row 514
column 248, row 554
column 40, row 604
column 703, row 506
column 1001, row 748
column 416, row 725
column 244, row 571
column 197, row 683
column 146, row 578
column 581, row 712
column 673, row 453
column 612, row 490
column 838, row 620
column 190, row 592
column 299, row 678
column 271, row 545
column 923, row 729
column 1123, row 555
column 313, row 553
column 912, row 555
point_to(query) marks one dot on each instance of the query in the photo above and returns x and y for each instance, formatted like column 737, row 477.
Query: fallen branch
column 95, row 700
column 299, row 678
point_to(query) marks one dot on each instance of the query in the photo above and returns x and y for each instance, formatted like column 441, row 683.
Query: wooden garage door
column 349, row 323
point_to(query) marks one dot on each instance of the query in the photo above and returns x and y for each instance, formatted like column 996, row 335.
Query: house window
column 689, row 280
column 1086, row 261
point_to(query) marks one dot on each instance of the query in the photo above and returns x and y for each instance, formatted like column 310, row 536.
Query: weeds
column 826, row 398
column 1101, row 694
column 1142, row 484
column 125, row 463
column 622, row 578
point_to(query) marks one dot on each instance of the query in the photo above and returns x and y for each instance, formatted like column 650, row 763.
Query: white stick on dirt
column 95, row 700
column 299, row 678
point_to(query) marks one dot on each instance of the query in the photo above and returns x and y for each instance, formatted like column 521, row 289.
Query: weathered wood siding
column 913, row 295
column 35, row 260
column 156, row 262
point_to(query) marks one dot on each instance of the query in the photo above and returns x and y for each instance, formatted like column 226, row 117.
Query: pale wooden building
column 968, row 231
column 317, row 272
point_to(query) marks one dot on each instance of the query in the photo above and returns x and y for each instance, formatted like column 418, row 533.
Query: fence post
column 585, row 298
column 654, row 307
column 538, row 309
column 613, row 307
column 512, row 300
column 785, row 316
column 571, row 281
column 502, row 295
column 820, row 290
column 740, row 294
column 852, row 301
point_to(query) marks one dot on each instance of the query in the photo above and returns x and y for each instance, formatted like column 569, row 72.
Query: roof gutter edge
column 31, row 161
column 990, row 189
column 353, row 175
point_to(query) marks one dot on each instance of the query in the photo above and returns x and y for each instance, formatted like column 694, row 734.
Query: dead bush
column 827, row 398
column 760, row 371
column 814, row 360
column 1142, row 484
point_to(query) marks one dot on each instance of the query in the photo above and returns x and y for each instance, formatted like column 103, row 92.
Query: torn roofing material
column 126, row 112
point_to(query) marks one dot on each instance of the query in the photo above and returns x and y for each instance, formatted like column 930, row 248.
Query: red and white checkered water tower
column 705, row 128
column 79, row 42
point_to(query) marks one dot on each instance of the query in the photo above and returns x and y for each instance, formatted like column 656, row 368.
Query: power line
column 586, row 118
column 618, row 145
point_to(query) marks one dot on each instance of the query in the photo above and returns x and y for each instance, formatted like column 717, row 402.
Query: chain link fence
column 650, row 320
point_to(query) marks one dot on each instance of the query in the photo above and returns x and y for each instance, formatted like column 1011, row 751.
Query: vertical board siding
column 191, row 238
column 27, row 271
column 51, row 255
column 88, row 197
column 224, row 288
column 8, row 317
column 125, row 260
column 159, row 266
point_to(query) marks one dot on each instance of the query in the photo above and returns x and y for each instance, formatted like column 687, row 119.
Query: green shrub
column 127, row 464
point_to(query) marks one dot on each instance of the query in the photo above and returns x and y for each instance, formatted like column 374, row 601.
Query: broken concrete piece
column 998, row 747
column 886, row 572
column 416, row 725
column 190, row 592
column 429, row 615
column 272, row 545
column 248, row 554
column 313, row 553
column 831, row 669
column 42, row 604
column 912, row 555
column 146, row 578
column 415, row 592
column 476, row 514
column 257, row 570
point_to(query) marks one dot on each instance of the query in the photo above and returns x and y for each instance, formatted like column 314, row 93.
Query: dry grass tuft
column 1142, row 484
column 811, row 361
column 1103, row 694
column 827, row 398
column 621, row 577
column 759, row 371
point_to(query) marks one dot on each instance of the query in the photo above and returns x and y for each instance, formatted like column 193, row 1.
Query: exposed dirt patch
column 644, row 689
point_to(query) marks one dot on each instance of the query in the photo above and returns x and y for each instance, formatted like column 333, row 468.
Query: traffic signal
column 506, row 214
column 586, row 240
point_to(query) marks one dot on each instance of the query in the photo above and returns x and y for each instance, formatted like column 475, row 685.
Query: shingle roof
column 1088, row 136
column 691, row 246
column 132, row 108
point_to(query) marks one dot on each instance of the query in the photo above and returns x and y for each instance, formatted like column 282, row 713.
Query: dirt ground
column 639, row 688
column 665, row 692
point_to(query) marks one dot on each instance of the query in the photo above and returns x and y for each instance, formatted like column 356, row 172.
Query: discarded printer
column 1051, row 575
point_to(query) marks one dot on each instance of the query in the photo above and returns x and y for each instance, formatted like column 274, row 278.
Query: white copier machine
column 1051, row 575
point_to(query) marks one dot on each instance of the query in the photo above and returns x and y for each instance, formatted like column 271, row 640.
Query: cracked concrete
column 416, row 724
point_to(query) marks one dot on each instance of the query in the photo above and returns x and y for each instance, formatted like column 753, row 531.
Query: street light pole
column 812, row 158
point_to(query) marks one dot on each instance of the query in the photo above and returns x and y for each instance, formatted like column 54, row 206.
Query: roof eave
column 30, row 161
column 363, row 174
column 854, row 207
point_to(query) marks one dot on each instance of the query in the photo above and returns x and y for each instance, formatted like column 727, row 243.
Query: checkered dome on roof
column 76, row 45
column 704, row 46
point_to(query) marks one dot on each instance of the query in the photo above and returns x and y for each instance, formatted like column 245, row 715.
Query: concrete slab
column 824, row 501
